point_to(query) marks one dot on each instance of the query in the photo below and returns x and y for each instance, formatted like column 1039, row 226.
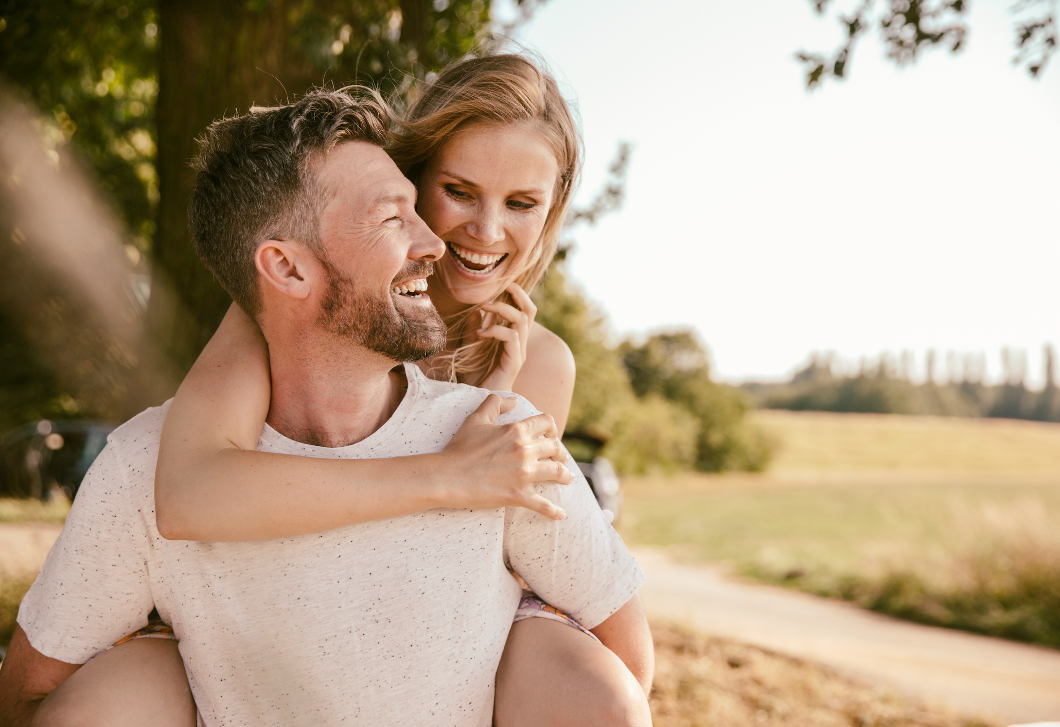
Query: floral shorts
column 156, row 628
column 531, row 606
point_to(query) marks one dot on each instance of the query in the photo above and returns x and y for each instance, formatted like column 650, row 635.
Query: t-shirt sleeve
column 579, row 565
column 94, row 587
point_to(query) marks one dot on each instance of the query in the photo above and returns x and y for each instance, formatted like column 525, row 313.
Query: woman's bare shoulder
column 548, row 353
column 547, row 376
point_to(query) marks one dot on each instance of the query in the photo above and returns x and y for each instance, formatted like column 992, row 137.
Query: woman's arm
column 212, row 485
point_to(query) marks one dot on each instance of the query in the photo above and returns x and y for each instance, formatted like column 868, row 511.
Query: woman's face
column 486, row 193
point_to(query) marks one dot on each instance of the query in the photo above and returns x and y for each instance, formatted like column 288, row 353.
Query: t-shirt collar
column 414, row 377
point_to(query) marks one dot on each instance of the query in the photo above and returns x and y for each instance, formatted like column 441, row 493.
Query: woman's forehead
column 517, row 150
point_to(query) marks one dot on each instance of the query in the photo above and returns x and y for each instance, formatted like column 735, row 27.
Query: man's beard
column 376, row 323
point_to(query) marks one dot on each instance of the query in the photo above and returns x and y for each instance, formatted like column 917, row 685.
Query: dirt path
column 976, row 674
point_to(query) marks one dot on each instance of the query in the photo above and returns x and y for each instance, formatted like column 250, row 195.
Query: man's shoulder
column 139, row 437
column 464, row 396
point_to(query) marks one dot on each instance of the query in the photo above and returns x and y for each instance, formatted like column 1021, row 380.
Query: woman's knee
column 552, row 675
column 56, row 711
column 138, row 683
column 613, row 697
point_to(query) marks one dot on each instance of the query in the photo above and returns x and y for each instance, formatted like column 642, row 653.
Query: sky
column 903, row 209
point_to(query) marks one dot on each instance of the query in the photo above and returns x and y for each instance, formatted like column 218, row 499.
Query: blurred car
column 598, row 471
column 40, row 456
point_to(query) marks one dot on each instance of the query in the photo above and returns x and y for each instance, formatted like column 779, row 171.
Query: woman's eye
column 457, row 193
column 517, row 205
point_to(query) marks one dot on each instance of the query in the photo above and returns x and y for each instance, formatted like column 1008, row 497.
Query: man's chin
column 420, row 335
column 427, row 341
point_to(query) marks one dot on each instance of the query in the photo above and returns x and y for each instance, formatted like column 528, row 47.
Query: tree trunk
column 216, row 58
column 415, row 26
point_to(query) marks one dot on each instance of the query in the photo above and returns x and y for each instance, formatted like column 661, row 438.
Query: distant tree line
column 652, row 401
column 885, row 386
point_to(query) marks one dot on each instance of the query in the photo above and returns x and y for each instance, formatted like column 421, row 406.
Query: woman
column 494, row 152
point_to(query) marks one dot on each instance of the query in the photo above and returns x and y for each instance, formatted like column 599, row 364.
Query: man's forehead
column 365, row 172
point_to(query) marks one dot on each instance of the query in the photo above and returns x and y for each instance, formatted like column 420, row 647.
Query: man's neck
column 331, row 398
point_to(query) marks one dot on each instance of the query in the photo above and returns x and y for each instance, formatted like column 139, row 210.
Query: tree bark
column 216, row 58
column 415, row 26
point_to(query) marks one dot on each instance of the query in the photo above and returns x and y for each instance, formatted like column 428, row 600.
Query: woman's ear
column 287, row 267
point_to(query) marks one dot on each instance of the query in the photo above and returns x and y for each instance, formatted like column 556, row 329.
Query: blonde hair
column 492, row 89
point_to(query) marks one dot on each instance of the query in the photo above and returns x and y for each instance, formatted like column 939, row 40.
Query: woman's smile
column 478, row 264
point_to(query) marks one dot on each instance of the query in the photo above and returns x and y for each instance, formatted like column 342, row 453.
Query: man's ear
column 288, row 267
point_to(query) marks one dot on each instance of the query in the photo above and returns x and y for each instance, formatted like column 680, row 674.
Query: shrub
column 1000, row 578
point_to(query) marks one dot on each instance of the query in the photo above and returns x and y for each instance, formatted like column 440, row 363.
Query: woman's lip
column 455, row 264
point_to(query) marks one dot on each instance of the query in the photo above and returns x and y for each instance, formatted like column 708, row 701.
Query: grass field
column 825, row 443
column 943, row 521
column 30, row 511
column 702, row 680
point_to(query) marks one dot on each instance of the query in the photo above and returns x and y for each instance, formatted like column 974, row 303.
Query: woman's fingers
column 501, row 333
column 547, row 449
column 493, row 406
column 539, row 425
column 549, row 470
column 509, row 313
column 523, row 300
column 541, row 505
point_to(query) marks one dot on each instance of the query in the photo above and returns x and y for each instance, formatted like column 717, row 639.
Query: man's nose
column 425, row 244
column 486, row 227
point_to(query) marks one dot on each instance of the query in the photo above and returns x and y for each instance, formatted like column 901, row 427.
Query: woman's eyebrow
column 458, row 178
column 532, row 191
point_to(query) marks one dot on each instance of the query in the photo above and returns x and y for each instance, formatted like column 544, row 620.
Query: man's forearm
column 26, row 678
column 626, row 633
column 17, row 713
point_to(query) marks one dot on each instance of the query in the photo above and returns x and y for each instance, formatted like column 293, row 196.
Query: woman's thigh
column 552, row 674
column 140, row 682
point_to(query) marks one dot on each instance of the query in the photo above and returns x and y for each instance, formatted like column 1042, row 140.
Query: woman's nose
column 486, row 227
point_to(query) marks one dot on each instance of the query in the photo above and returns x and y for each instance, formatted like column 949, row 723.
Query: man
column 312, row 228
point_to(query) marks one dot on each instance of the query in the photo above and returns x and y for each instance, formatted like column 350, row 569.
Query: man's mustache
column 415, row 269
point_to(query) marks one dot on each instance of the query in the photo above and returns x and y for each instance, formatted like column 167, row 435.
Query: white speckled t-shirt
column 393, row 622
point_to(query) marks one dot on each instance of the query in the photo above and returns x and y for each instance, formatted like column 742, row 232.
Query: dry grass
column 11, row 593
column 29, row 510
column 702, row 680
column 998, row 573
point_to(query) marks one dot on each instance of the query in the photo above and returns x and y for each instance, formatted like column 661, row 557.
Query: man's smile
column 413, row 288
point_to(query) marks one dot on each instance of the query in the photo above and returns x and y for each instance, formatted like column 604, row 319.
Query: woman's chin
column 470, row 292
column 477, row 295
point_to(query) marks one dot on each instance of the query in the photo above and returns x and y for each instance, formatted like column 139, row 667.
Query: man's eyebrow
column 397, row 198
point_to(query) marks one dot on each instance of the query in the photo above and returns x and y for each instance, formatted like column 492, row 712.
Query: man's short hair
column 257, row 179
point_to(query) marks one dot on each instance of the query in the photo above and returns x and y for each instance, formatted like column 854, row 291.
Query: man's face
column 377, row 253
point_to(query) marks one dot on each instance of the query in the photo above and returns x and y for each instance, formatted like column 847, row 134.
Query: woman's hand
column 487, row 465
column 515, row 337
